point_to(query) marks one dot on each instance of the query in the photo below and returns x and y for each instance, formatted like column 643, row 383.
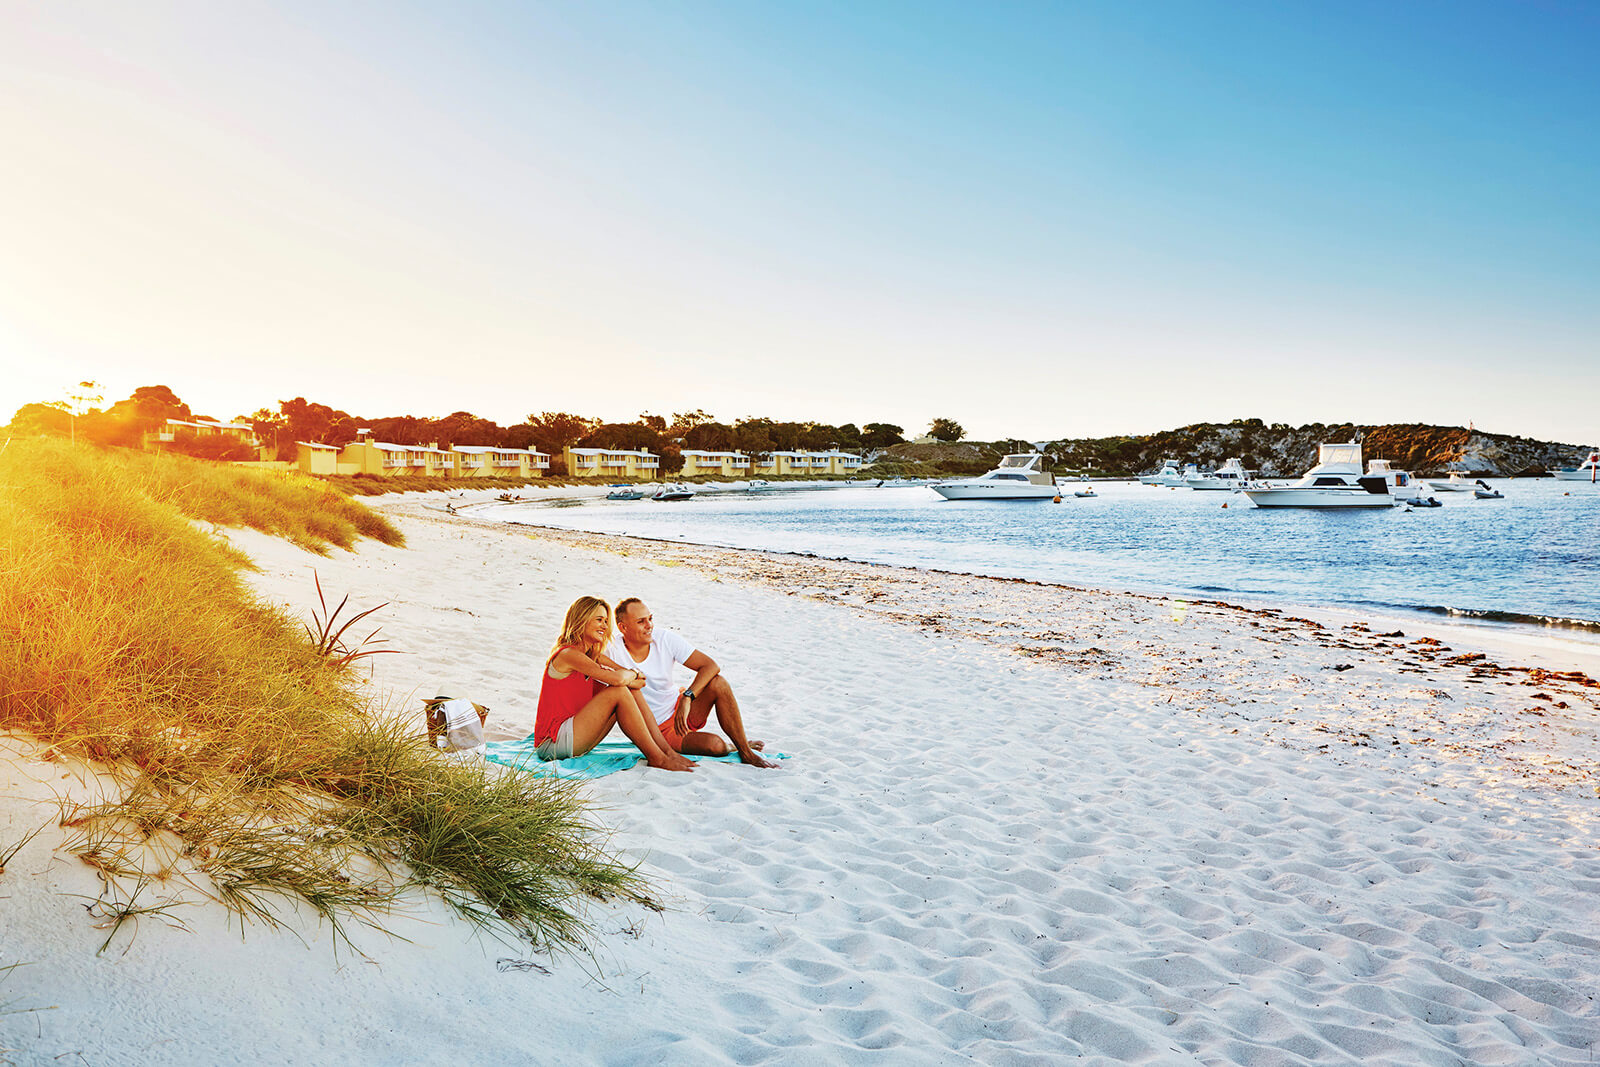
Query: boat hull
column 1574, row 476
column 972, row 491
column 1290, row 497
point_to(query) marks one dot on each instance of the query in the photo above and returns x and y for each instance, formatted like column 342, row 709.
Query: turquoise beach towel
column 607, row 757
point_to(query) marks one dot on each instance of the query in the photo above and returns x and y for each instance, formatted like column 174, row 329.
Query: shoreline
column 1570, row 638
column 1019, row 823
column 1551, row 646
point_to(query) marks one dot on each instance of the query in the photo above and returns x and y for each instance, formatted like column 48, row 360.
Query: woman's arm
column 570, row 659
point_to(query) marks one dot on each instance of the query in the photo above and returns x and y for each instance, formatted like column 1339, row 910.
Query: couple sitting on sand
column 593, row 681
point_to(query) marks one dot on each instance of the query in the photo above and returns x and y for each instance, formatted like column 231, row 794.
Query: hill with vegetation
column 1274, row 451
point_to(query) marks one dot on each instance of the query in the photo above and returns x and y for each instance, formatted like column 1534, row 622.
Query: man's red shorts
column 697, row 720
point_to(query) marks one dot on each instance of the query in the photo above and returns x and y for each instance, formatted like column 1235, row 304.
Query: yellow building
column 483, row 461
column 368, row 456
column 314, row 458
column 838, row 462
column 610, row 463
column 808, row 464
column 698, row 463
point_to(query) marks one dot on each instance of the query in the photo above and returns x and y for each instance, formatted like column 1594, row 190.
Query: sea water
column 1531, row 559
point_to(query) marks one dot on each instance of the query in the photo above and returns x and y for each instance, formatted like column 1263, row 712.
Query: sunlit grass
column 244, row 756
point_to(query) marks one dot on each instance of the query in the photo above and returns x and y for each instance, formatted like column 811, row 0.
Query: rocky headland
column 1274, row 450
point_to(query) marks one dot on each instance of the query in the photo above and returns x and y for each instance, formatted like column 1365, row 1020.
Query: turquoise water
column 1531, row 559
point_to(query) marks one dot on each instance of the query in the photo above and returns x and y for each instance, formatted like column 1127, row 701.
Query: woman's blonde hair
column 572, row 625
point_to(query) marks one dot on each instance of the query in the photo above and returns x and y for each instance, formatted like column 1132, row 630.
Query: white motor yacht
column 1169, row 474
column 1583, row 472
column 1018, row 477
column 1335, row 482
column 1455, row 481
column 1231, row 475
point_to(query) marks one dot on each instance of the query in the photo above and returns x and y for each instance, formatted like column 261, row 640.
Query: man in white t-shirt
column 682, row 713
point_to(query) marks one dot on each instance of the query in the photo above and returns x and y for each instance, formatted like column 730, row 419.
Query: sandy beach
column 1019, row 823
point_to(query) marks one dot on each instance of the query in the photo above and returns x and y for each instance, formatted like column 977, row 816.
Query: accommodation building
column 314, row 458
column 808, row 464
column 838, row 462
column 368, row 456
column 482, row 461
column 613, row 464
column 701, row 463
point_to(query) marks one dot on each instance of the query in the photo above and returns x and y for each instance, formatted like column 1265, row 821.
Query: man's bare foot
column 754, row 760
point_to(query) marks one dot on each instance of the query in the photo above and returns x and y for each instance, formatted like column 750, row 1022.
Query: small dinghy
column 1484, row 492
column 1085, row 492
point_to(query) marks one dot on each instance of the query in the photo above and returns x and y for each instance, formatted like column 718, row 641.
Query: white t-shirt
column 667, row 650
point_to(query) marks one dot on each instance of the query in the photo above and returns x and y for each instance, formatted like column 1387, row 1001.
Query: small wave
column 1517, row 617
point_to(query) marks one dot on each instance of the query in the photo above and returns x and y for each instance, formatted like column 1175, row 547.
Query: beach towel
column 607, row 757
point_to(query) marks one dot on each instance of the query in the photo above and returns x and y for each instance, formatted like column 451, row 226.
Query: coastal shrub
column 128, row 638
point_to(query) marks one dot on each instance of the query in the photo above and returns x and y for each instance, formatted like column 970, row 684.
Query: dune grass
column 242, row 755
column 378, row 485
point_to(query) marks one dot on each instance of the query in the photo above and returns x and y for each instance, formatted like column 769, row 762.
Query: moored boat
column 673, row 491
column 1020, row 476
column 1169, row 474
column 1403, row 486
column 1455, row 481
column 625, row 492
column 1230, row 476
column 1583, row 472
column 1336, row 481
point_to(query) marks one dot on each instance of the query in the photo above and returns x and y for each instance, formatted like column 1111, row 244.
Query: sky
column 1042, row 220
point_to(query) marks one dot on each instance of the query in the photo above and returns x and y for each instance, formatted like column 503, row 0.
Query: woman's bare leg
column 650, row 720
column 615, row 705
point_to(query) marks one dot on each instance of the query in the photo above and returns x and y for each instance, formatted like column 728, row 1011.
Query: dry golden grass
column 128, row 638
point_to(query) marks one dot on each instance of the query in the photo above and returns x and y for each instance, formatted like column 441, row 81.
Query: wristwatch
column 689, row 693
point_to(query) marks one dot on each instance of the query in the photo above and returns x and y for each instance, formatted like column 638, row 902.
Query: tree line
column 125, row 422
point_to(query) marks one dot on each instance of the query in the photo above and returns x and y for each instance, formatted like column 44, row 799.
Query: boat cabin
column 1021, row 467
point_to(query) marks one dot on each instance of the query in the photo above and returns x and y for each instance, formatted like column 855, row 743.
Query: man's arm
column 705, row 668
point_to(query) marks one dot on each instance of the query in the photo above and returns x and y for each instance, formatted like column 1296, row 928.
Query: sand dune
column 1019, row 824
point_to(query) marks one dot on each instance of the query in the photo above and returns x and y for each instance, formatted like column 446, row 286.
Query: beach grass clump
column 240, row 753
column 378, row 484
column 304, row 510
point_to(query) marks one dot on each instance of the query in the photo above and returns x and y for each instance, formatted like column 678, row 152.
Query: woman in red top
column 585, row 693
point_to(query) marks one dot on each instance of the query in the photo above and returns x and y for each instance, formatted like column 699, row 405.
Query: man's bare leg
column 719, row 694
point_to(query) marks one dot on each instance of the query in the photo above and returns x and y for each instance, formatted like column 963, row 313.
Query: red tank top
column 560, row 699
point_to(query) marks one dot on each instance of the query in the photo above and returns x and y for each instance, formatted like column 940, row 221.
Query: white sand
column 1151, row 836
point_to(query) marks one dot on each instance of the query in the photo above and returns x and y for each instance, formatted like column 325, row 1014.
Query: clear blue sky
column 1041, row 220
